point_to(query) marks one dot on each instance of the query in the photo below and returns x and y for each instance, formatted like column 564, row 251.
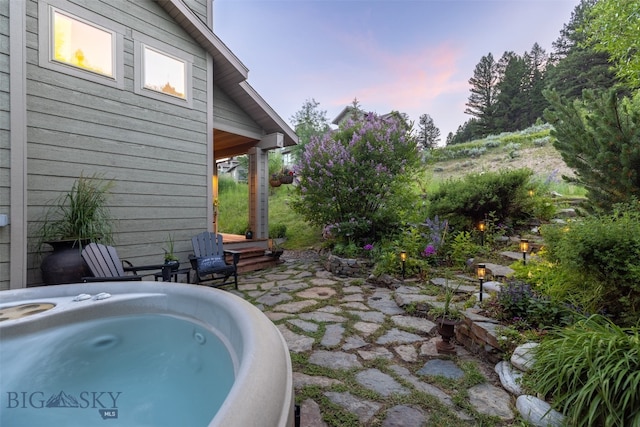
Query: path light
column 403, row 258
column 524, row 248
column 481, row 272
column 482, row 227
column 531, row 193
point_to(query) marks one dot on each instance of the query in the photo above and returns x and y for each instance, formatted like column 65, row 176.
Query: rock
column 310, row 414
column 509, row 377
column 296, row 343
column 334, row 359
column 332, row 335
column 404, row 416
column 522, row 357
column 490, row 400
column 381, row 383
column 492, row 286
column 538, row 412
column 444, row 368
column 364, row 409
column 398, row 337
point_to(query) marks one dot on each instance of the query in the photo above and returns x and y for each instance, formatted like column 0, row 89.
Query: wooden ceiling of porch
column 227, row 144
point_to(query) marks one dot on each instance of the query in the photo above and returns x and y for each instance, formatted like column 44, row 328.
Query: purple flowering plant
column 353, row 178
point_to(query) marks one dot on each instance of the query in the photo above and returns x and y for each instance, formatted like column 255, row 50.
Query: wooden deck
column 252, row 252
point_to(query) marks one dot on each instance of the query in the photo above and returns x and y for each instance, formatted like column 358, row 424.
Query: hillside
column 531, row 148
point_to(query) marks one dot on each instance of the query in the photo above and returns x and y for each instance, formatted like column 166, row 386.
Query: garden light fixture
column 524, row 248
column 403, row 258
column 482, row 227
column 481, row 272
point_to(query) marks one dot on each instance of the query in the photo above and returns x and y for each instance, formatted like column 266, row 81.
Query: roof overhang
column 230, row 73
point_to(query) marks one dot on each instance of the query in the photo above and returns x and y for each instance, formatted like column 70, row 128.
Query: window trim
column 141, row 42
column 46, row 12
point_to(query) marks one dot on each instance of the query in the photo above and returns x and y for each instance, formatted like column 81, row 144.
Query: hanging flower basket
column 275, row 182
column 286, row 176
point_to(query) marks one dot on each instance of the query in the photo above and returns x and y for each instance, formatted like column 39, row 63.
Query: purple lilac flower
column 428, row 251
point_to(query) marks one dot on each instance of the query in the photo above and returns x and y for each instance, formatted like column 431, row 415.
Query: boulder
column 538, row 412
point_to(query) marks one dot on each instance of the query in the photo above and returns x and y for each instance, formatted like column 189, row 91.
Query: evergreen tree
column 466, row 132
column 536, row 61
column 599, row 137
column 308, row 122
column 428, row 133
column 614, row 28
column 511, row 104
column 449, row 139
column 482, row 101
column 575, row 64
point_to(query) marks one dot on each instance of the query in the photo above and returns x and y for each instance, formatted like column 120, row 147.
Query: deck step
column 257, row 263
column 253, row 258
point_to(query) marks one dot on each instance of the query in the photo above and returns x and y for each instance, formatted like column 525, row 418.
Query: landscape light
column 481, row 272
column 403, row 258
column 482, row 227
column 524, row 248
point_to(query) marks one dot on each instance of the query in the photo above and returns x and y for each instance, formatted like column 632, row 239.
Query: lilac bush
column 353, row 178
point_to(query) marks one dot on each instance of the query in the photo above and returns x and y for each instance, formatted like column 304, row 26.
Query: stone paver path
column 358, row 354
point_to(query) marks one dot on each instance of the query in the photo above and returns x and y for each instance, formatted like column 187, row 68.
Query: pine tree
column 575, row 64
column 428, row 133
column 308, row 122
column 482, row 101
column 511, row 104
column 599, row 137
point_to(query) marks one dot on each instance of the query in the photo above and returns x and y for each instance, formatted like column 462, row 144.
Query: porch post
column 258, row 192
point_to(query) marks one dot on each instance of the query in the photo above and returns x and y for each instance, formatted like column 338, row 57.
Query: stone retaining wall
column 478, row 334
column 348, row 267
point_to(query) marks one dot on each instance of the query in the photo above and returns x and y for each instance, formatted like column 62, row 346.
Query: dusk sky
column 413, row 56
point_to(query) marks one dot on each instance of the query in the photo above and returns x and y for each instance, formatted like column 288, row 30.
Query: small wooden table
column 173, row 275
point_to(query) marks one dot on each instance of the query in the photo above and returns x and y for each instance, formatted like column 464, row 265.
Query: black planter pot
column 64, row 264
column 174, row 264
column 447, row 330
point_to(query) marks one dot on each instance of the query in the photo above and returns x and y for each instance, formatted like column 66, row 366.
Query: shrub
column 598, row 138
column 356, row 179
column 464, row 247
column 605, row 252
column 591, row 371
column 464, row 202
column 520, row 305
column 277, row 230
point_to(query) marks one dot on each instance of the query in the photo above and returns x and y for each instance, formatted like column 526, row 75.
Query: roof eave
column 228, row 69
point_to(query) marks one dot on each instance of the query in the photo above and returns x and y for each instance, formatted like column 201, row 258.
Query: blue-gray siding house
column 140, row 91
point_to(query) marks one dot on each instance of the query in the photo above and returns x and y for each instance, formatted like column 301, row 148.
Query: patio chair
column 106, row 266
column 209, row 259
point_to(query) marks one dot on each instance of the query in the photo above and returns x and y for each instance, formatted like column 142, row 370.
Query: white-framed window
column 162, row 71
column 76, row 41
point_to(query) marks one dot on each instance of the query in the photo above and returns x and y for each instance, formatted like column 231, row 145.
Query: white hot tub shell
column 262, row 392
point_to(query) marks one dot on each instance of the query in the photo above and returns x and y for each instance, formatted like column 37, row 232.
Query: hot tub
column 140, row 354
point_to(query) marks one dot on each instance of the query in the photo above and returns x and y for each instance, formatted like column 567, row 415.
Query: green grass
column 234, row 214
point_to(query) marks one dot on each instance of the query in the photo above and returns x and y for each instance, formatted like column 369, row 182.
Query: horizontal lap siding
column 227, row 113
column 199, row 7
column 5, row 153
column 155, row 151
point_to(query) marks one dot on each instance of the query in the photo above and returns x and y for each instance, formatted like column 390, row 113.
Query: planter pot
column 275, row 183
column 174, row 264
column 64, row 264
column 447, row 330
